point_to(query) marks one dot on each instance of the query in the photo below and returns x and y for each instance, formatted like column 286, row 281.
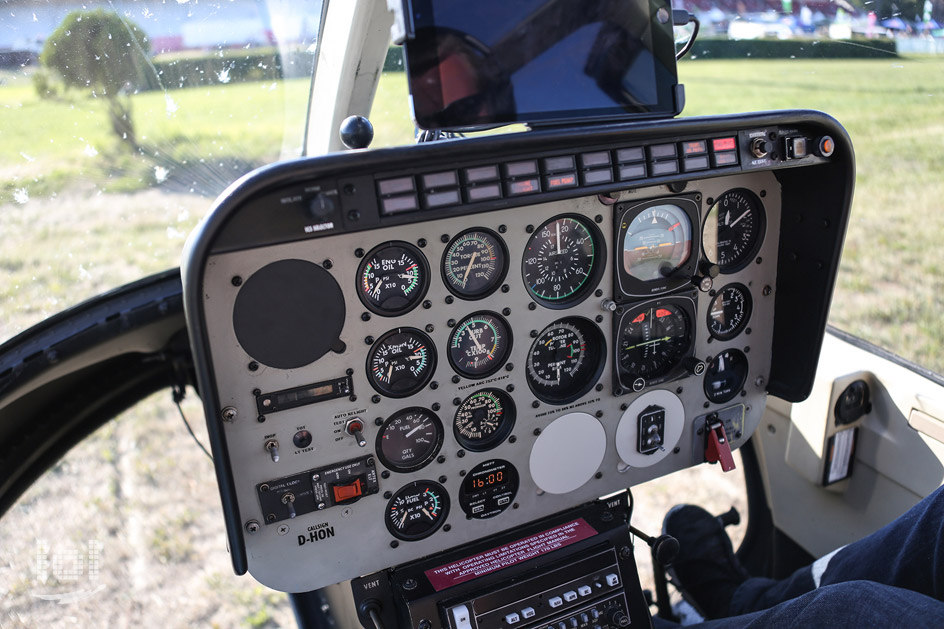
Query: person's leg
column 850, row 604
column 907, row 553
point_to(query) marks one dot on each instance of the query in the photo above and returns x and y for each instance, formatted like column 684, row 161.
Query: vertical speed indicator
column 563, row 261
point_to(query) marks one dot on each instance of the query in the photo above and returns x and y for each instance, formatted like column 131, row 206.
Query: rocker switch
column 717, row 448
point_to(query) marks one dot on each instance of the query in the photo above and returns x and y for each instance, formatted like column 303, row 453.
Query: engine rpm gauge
column 725, row 376
column 565, row 360
column 729, row 311
column 417, row 510
column 484, row 420
column 409, row 439
column 563, row 261
column 479, row 345
column 652, row 341
column 392, row 278
column 401, row 362
column 475, row 263
column 734, row 229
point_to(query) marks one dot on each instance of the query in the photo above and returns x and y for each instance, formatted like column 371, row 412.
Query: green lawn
column 891, row 282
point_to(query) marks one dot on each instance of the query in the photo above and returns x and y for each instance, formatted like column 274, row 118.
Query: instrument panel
column 382, row 394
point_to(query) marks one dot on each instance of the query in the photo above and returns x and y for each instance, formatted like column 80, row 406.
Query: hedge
column 790, row 49
column 177, row 70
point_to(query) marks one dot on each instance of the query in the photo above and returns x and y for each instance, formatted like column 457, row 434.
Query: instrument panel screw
column 505, row 288
column 626, row 552
column 252, row 527
column 237, row 281
column 433, row 385
column 456, row 401
column 598, row 475
column 385, row 474
column 624, row 406
column 598, row 218
column 228, row 414
column 379, row 421
column 461, row 453
column 449, row 299
column 353, row 398
column 394, row 544
column 440, row 459
column 436, row 406
column 710, row 201
column 532, row 306
column 771, row 429
column 409, row 584
column 598, row 414
column 359, row 252
column 529, row 228
column 321, row 506
column 506, row 311
column 510, row 388
column 767, row 290
column 370, row 461
column 759, row 260
column 424, row 624
column 442, row 479
column 598, row 293
column 599, row 318
column 537, row 431
column 271, row 517
column 427, row 305
column 455, row 379
column 763, row 193
column 534, row 334
column 748, row 331
column 365, row 316
column 509, row 367
column 327, row 264
column 253, row 366
column 349, row 371
column 316, row 477
column 512, row 439
column 260, row 419
column 444, row 238
column 257, row 391
column 599, row 387
column 451, row 323
column 535, row 404
column 502, row 229
column 676, row 450
column 447, row 528
column 388, row 495
column 421, row 243
column 429, row 326
column 283, row 529
column 759, row 383
column 706, row 404
column 679, row 390
column 369, row 340
column 375, row 399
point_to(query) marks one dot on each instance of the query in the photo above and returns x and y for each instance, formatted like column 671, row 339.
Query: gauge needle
column 475, row 340
column 403, row 519
column 420, row 427
column 659, row 340
column 414, row 357
column 376, row 289
column 468, row 269
column 389, row 372
column 428, row 514
column 746, row 212
column 558, row 373
column 558, row 239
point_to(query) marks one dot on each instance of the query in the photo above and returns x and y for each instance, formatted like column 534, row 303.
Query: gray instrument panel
column 564, row 455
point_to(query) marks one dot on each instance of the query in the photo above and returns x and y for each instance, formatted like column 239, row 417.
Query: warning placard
column 510, row 554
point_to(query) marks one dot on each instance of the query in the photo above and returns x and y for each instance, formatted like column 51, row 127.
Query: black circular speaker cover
column 289, row 314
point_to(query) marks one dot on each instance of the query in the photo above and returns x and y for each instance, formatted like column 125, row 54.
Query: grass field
column 80, row 215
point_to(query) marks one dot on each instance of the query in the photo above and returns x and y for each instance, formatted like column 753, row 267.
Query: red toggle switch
column 717, row 449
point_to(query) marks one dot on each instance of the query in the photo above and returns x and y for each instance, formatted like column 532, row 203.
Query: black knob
column 321, row 207
column 694, row 366
column 665, row 549
column 617, row 617
column 356, row 132
column 730, row 517
column 709, row 270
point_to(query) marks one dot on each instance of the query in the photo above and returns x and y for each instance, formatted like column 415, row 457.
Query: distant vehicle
column 759, row 26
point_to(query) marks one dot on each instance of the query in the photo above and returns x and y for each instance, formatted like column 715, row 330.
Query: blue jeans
column 891, row 578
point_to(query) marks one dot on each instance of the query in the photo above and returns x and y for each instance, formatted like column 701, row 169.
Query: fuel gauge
column 417, row 510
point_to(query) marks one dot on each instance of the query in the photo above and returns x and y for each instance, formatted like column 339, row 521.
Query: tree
column 103, row 53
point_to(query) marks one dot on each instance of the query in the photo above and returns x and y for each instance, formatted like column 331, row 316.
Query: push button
column 570, row 596
column 612, row 580
column 528, row 612
column 555, row 601
column 584, row 590
column 513, row 618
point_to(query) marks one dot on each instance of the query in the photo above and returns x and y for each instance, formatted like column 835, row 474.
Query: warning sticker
column 510, row 554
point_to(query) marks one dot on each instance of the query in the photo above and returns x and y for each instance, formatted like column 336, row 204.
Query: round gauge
column 653, row 340
column 562, row 261
column 725, row 376
column 409, row 439
column 488, row 489
column 729, row 311
column 484, row 420
column 657, row 242
column 479, row 345
column 392, row 278
column 565, row 360
column 734, row 229
column 475, row 263
column 401, row 362
column 417, row 510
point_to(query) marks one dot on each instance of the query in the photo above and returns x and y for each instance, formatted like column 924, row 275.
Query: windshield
column 106, row 167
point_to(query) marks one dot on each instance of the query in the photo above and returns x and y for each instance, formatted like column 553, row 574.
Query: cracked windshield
column 121, row 121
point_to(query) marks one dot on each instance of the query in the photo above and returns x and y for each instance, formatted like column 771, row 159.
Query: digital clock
column 488, row 489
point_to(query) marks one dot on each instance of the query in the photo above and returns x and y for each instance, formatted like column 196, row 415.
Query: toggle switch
column 717, row 448
column 272, row 447
column 355, row 428
column 288, row 499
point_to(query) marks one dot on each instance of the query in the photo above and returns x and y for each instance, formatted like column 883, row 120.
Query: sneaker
column 705, row 567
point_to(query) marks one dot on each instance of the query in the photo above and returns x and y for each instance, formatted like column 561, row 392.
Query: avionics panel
column 501, row 360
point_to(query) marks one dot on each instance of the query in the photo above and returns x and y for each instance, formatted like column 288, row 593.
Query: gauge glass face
column 565, row 360
column 488, row 489
column 657, row 242
column 561, row 261
column 733, row 229
column 401, row 362
column 417, row 510
column 409, row 439
column 725, row 376
column 729, row 311
column 474, row 264
column 392, row 279
column 479, row 345
column 654, row 340
column 484, row 420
